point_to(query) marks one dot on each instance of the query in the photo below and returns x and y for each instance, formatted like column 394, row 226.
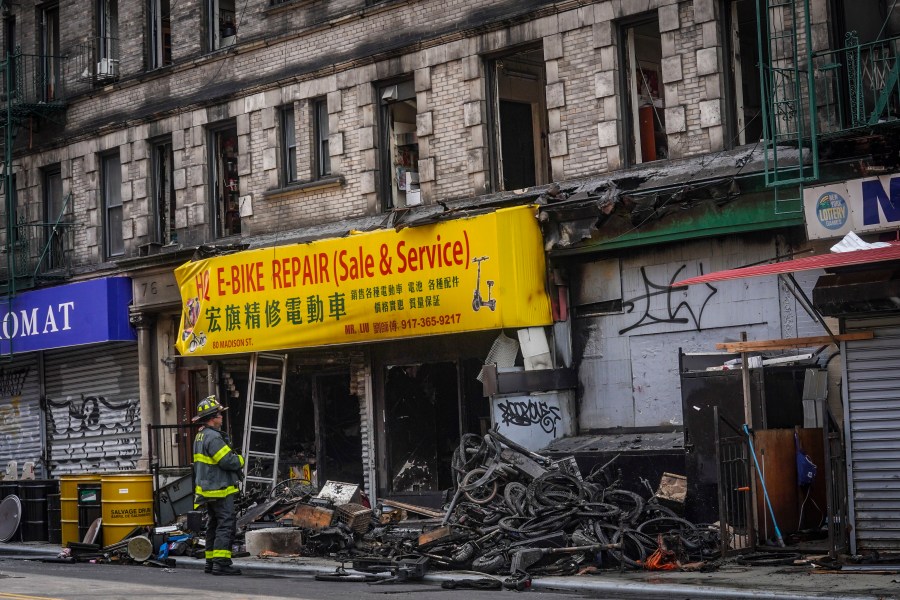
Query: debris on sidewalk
column 514, row 512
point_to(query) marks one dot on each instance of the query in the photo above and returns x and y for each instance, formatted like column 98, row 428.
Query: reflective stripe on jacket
column 217, row 468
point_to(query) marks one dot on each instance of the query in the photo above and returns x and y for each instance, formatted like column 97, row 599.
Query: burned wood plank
column 420, row 510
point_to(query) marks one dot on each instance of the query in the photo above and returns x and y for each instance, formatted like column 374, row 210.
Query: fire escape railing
column 40, row 252
column 859, row 83
column 32, row 87
column 98, row 60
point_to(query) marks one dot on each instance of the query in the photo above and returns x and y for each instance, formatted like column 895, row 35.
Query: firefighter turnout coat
column 217, row 468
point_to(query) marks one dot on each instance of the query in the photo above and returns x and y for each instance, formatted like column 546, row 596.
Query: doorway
column 322, row 429
column 422, row 426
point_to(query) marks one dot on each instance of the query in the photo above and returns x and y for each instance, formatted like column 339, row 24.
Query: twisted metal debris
column 518, row 513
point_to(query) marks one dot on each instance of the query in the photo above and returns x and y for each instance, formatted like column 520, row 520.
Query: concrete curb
column 595, row 584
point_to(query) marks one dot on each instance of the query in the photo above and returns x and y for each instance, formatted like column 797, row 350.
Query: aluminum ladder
column 262, row 421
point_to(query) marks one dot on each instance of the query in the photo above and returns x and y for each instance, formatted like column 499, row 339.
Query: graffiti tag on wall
column 525, row 413
column 12, row 381
column 682, row 312
column 92, row 432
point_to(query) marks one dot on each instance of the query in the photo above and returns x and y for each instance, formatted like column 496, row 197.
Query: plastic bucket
column 89, row 507
column 68, row 503
column 127, row 503
column 33, row 495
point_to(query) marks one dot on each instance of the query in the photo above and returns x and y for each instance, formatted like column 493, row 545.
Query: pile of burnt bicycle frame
column 513, row 512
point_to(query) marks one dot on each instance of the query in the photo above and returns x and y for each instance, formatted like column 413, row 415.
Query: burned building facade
column 143, row 135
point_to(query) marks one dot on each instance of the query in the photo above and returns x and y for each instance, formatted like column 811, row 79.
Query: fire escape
column 815, row 97
column 37, row 246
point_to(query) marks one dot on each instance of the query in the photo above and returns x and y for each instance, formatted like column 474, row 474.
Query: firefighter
column 217, row 474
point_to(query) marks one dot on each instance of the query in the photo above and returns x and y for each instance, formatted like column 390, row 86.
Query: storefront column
column 143, row 322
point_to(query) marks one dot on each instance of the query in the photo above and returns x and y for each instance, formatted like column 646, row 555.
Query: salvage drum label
column 130, row 513
column 471, row 274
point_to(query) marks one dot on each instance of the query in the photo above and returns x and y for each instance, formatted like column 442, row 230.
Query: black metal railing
column 858, row 85
column 33, row 80
column 98, row 61
column 170, row 447
column 836, row 484
column 736, row 517
column 170, row 452
column 40, row 251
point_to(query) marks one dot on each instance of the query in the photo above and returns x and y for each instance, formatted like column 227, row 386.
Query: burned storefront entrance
column 313, row 433
column 426, row 405
column 429, row 298
column 324, row 440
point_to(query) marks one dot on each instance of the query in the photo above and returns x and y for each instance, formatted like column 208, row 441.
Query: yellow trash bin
column 127, row 500
column 68, row 504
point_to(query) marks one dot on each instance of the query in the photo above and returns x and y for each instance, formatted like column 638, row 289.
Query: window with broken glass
column 518, row 120
column 163, row 189
column 221, row 25
column 107, row 40
column 645, row 103
column 745, row 123
column 159, row 33
column 225, row 182
column 51, row 56
column 399, row 146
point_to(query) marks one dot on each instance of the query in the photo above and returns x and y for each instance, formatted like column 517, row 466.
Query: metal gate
column 93, row 409
column 736, row 518
column 21, row 437
column 872, row 425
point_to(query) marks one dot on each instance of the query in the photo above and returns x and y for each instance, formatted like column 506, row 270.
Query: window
column 111, row 176
column 56, row 211
column 51, row 57
column 107, row 39
column 163, row 188
column 643, row 73
column 288, row 144
column 320, row 130
column 399, row 146
column 159, row 33
column 518, row 120
column 745, row 118
column 225, row 181
column 222, row 27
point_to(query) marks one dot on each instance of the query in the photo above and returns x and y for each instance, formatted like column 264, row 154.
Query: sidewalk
column 729, row 582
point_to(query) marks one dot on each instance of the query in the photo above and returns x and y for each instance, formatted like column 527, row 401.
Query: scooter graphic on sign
column 477, row 300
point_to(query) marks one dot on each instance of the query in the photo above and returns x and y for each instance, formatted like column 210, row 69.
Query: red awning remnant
column 807, row 263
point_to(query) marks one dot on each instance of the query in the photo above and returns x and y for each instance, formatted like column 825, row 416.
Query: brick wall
column 248, row 83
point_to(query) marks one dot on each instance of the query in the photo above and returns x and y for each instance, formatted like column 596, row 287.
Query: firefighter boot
column 224, row 569
column 208, row 567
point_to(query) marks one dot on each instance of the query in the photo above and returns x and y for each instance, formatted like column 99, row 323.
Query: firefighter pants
column 220, row 528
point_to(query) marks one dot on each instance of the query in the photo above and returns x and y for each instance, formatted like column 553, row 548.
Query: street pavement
column 730, row 581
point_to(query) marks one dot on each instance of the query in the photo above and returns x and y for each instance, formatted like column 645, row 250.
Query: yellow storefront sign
column 483, row 272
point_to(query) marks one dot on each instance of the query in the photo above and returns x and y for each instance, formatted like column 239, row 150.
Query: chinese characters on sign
column 379, row 285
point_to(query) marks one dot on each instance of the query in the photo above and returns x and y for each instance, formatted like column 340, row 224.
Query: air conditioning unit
column 107, row 68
